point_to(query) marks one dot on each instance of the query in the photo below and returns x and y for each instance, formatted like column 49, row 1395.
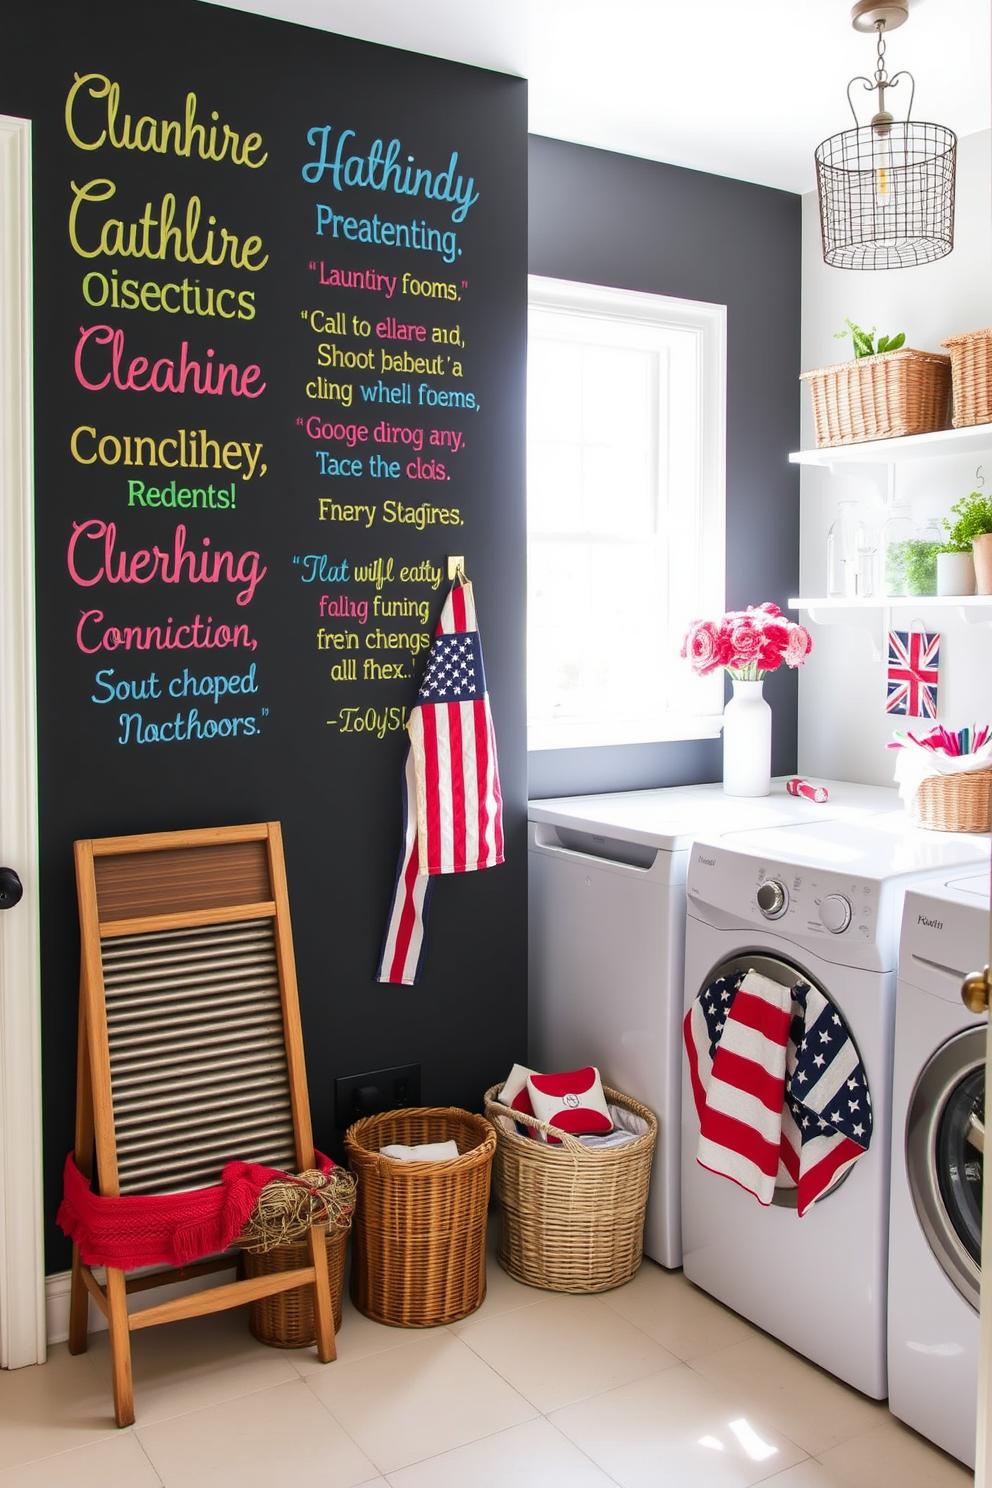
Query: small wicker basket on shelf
column 572, row 1215
column 971, row 376
column 954, row 803
column 419, row 1254
column 880, row 397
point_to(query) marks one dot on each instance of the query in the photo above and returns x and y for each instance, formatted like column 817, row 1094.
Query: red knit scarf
column 162, row 1229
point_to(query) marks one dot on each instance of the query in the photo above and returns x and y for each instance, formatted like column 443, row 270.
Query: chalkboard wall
column 279, row 336
column 604, row 218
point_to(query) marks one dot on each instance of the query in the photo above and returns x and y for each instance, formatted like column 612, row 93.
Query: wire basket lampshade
column 886, row 189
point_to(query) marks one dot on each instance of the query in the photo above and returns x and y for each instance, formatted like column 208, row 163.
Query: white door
column 22, row 1282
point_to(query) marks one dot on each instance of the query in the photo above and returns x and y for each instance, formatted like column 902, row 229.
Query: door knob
column 975, row 990
column 11, row 888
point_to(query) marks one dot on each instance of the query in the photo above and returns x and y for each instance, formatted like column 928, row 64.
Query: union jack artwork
column 914, row 660
column 452, row 807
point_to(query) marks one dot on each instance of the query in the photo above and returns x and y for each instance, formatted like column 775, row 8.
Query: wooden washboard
column 190, row 1052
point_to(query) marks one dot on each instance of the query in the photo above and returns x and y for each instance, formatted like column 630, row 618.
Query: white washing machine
column 818, row 902
column 938, row 1129
column 607, row 933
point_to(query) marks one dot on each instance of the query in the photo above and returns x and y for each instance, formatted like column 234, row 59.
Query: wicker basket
column 419, row 1255
column 573, row 1216
column 880, row 397
column 285, row 1320
column 954, row 803
column 971, row 376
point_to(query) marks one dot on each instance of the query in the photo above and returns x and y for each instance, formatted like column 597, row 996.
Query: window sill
column 594, row 734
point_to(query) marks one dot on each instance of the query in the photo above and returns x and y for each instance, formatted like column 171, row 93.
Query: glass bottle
column 897, row 532
column 842, row 553
column 866, row 549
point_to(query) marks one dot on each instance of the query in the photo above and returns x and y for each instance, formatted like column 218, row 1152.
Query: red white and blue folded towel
column 780, row 1091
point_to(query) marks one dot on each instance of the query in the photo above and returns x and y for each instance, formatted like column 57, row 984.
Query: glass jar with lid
column 921, row 565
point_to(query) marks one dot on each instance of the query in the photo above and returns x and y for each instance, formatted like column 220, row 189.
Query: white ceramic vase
column 747, row 741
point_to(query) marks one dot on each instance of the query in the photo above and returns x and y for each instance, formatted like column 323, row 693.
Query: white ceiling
column 730, row 86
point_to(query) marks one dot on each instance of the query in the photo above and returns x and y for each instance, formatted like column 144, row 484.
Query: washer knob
column 773, row 899
column 835, row 912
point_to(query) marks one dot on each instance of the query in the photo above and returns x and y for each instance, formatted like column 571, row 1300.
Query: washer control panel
column 802, row 901
column 815, row 901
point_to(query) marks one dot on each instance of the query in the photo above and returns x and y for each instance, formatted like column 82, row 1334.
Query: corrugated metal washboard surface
column 197, row 1054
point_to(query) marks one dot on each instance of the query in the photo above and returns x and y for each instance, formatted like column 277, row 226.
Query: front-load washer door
column 717, row 1000
column 945, row 1141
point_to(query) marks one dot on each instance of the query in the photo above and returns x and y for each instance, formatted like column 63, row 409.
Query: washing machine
column 607, row 929
column 818, row 903
column 938, row 1129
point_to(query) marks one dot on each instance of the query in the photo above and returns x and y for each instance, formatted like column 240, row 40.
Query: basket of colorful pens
column 945, row 777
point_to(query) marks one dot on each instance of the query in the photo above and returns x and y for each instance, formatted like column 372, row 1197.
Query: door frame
column 22, row 1247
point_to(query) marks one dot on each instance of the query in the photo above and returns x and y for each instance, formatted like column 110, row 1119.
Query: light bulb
column 881, row 159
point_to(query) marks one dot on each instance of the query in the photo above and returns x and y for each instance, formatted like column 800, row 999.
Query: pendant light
column 886, row 188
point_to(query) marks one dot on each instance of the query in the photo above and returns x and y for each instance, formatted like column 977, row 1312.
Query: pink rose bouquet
column 748, row 643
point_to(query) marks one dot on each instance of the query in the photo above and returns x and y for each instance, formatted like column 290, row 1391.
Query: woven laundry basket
column 286, row 1320
column 971, row 377
column 572, row 1215
column 954, row 803
column 880, row 397
column 419, row 1252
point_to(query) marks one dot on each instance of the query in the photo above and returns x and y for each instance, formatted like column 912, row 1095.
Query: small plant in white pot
column 968, row 536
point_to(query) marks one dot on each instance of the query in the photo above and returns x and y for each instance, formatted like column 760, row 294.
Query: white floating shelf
column 940, row 444
column 896, row 602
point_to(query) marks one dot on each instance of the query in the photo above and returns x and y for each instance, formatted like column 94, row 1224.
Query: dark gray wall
column 612, row 219
column 335, row 788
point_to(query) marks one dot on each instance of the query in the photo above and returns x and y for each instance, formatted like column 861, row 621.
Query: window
column 625, row 512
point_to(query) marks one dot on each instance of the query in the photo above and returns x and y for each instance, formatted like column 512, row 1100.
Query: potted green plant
column 969, row 536
column 864, row 341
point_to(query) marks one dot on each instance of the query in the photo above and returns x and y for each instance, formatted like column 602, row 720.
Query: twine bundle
column 287, row 1207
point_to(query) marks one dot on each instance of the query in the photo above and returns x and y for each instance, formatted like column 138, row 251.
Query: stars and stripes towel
column 779, row 1089
column 827, row 1119
column 452, row 807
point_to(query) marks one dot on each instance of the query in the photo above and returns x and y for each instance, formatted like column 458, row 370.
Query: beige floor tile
column 796, row 1397
column 53, row 1407
column 503, row 1294
column 674, row 1429
column 357, row 1338
column 676, row 1314
column 531, row 1454
column 808, row 1474
column 892, row 1456
column 182, row 1366
column 276, row 1436
column 117, row 1462
column 564, row 1349
column 428, row 1397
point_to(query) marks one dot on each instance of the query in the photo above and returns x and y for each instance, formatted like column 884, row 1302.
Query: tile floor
column 651, row 1384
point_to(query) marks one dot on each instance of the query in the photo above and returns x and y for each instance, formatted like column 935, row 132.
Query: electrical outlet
column 378, row 1090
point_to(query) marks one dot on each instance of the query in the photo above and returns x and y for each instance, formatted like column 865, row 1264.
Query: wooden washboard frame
column 188, row 1011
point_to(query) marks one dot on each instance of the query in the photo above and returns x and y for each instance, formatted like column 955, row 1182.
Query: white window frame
column 696, row 527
